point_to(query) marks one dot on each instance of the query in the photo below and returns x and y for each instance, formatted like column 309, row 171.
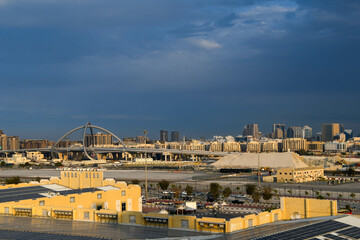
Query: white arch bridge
column 121, row 148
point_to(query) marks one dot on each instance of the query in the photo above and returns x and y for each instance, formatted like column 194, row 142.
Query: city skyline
column 165, row 135
column 201, row 68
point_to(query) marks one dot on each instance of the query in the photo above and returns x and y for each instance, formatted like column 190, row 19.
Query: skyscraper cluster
column 164, row 136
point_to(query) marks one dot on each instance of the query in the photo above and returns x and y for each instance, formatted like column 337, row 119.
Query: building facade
column 164, row 136
column 299, row 175
column 252, row 130
column 329, row 130
column 175, row 136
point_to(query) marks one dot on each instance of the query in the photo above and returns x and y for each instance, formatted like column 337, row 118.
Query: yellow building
column 116, row 202
column 316, row 146
column 298, row 175
column 80, row 178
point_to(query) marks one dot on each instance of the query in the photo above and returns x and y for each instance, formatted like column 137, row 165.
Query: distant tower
column 164, row 136
column 175, row 136
column 277, row 134
column 307, row 132
column 251, row 130
column 329, row 130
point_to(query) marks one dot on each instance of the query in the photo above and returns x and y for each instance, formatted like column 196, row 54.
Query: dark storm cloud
column 202, row 67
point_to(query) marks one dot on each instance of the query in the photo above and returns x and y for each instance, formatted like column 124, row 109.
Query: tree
column 237, row 188
column 306, row 193
column 214, row 190
column 58, row 164
column 302, row 152
column 2, row 164
column 164, row 184
column 353, row 195
column 256, row 196
column 340, row 195
column 13, row 180
column 328, row 194
column 250, row 188
column 350, row 172
column 267, row 193
column 189, row 190
column 320, row 197
column 227, row 191
column 135, row 181
column 290, row 192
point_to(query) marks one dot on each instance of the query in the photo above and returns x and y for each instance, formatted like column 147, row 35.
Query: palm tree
column 145, row 134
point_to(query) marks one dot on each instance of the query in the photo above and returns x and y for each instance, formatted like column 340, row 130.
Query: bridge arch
column 85, row 127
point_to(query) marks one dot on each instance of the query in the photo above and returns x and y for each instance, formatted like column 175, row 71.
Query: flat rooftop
column 40, row 191
column 40, row 228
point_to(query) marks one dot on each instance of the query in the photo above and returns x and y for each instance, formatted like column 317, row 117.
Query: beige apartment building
column 253, row 147
column 299, row 175
column 270, row 146
column 294, row 144
column 231, row 147
column 216, row 147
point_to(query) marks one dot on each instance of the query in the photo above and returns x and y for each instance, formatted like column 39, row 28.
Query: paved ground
column 118, row 174
column 40, row 228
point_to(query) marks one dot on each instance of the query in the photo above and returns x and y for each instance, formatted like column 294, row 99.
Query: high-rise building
column 277, row 133
column 98, row 139
column 307, row 132
column 294, row 132
column 348, row 134
column 164, row 136
column 35, row 143
column 13, row 143
column 251, row 130
column 329, row 130
column 175, row 136
column 3, row 140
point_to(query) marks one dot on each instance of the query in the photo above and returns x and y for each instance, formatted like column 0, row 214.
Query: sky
column 200, row 67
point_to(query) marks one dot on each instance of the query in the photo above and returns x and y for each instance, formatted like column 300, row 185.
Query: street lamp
column 146, row 180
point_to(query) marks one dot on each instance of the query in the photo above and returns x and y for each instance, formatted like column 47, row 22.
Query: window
column 72, row 199
column 123, row 206
column 75, row 174
column 7, row 210
column 99, row 196
column 86, row 175
column 184, row 224
column 86, row 215
column 41, row 203
column 132, row 219
column 44, row 213
column 123, row 193
column 72, row 174
column 250, row 222
column 97, row 175
column 93, row 175
column 276, row 217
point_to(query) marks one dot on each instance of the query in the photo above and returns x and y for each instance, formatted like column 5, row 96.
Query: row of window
column 87, row 175
column 72, row 199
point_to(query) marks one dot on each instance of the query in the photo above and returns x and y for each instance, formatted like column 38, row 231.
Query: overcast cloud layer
column 201, row 67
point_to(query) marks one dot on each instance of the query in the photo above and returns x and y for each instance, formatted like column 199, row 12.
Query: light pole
column 67, row 148
column 259, row 169
column 146, row 180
